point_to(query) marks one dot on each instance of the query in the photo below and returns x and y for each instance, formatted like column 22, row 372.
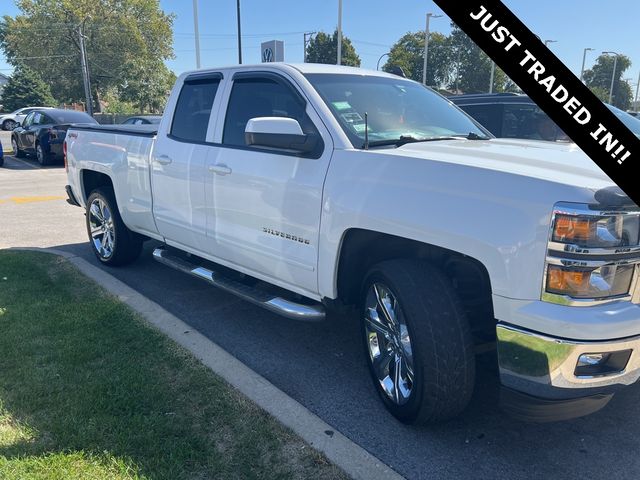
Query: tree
column 323, row 48
column 118, row 34
column 472, row 67
column 598, row 78
column 149, row 86
column 25, row 88
column 408, row 54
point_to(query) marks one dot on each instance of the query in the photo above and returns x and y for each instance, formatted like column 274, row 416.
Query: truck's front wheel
column 112, row 242
column 417, row 341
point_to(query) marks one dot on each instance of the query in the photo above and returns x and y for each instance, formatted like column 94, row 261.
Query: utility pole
column 339, row 32
column 426, row 48
column 85, row 70
column 239, row 36
column 196, row 31
column 307, row 40
column 584, row 59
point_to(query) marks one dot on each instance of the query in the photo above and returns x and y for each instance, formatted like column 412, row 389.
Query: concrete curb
column 350, row 457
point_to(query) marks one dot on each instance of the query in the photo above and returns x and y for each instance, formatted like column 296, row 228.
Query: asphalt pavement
column 322, row 365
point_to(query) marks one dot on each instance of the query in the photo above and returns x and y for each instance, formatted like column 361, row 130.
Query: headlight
column 596, row 231
column 592, row 255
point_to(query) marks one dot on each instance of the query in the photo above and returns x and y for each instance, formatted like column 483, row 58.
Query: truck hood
column 556, row 162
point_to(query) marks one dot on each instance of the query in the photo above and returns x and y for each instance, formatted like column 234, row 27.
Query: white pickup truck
column 306, row 187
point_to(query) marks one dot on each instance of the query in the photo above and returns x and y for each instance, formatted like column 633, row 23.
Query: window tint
column 72, row 116
column 191, row 117
column 261, row 97
column 37, row 119
column 129, row 121
column 529, row 122
column 487, row 115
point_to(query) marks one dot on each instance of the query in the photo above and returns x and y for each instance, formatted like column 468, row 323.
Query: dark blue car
column 43, row 132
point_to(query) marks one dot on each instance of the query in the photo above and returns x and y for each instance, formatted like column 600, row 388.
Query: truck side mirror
column 281, row 133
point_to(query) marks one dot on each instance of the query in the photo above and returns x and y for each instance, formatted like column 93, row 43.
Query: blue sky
column 374, row 25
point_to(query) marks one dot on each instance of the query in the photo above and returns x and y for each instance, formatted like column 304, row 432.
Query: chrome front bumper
column 545, row 367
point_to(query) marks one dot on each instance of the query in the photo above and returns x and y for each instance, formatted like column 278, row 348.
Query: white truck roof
column 303, row 68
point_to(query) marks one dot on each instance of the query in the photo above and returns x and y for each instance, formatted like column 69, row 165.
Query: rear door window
column 193, row 109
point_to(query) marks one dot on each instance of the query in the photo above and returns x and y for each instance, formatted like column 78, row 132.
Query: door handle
column 163, row 159
column 220, row 169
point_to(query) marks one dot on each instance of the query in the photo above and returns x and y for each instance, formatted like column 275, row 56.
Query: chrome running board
column 261, row 298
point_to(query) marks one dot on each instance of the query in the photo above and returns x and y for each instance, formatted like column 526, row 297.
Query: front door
column 267, row 203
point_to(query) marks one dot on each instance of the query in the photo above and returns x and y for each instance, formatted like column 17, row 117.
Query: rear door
column 179, row 164
column 266, row 204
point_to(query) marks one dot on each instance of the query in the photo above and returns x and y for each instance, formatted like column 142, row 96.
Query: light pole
column 493, row 73
column 239, row 35
column 426, row 47
column 339, row 32
column 584, row 58
column 547, row 42
column 196, row 31
column 613, row 76
column 381, row 57
column 637, row 107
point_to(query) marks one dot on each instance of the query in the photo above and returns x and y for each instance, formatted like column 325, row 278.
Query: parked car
column 509, row 115
column 143, row 120
column 630, row 121
column 9, row 121
column 344, row 186
column 43, row 132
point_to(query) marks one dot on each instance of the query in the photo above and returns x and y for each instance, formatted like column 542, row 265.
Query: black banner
column 556, row 90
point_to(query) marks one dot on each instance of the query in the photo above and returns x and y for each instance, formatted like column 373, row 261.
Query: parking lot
column 322, row 366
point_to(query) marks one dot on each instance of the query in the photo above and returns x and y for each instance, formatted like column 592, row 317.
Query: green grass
column 88, row 391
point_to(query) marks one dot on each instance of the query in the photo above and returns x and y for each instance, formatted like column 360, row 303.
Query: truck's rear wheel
column 417, row 341
column 112, row 242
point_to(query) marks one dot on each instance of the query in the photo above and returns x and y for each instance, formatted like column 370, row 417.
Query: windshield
column 396, row 109
column 631, row 122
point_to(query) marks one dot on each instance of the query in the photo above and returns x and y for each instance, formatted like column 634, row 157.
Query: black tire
column 440, row 340
column 126, row 245
column 16, row 151
column 6, row 125
column 1, row 161
column 44, row 158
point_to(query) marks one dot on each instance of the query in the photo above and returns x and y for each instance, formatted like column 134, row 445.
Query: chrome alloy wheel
column 388, row 343
column 102, row 230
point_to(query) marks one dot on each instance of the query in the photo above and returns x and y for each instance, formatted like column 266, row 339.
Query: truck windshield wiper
column 404, row 139
column 472, row 136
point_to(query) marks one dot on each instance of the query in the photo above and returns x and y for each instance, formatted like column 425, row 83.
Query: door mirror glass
column 279, row 132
